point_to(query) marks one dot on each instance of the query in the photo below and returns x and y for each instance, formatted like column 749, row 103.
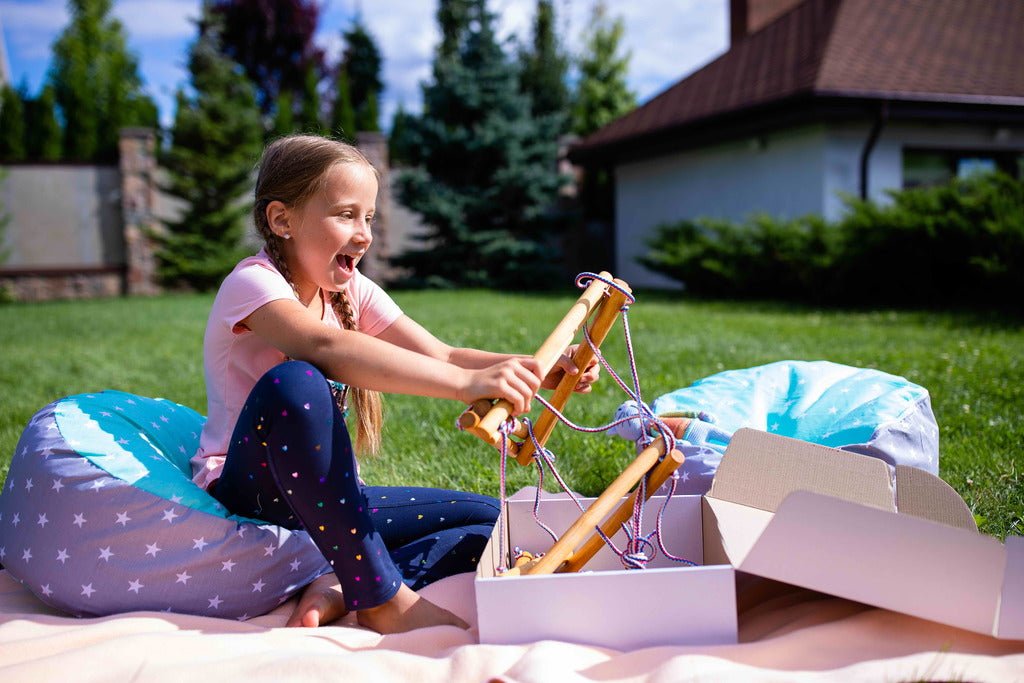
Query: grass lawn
column 971, row 364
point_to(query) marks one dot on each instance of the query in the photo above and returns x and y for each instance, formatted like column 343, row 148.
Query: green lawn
column 971, row 364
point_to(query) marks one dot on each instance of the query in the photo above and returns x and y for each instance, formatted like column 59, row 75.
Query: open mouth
column 345, row 262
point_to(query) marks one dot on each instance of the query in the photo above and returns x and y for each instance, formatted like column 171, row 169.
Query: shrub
column 962, row 242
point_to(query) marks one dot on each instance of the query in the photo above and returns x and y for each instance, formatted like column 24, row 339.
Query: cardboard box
column 828, row 520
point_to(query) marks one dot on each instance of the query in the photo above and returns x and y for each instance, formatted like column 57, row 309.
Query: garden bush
column 962, row 242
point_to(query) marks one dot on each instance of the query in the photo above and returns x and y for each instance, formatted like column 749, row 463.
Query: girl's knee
column 295, row 385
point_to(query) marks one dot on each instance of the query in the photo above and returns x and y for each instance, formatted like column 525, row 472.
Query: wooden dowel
column 547, row 355
column 598, row 330
column 604, row 504
column 613, row 524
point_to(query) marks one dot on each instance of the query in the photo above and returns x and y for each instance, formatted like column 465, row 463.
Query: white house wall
column 786, row 175
column 782, row 175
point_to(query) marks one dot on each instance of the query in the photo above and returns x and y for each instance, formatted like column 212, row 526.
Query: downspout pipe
column 865, row 154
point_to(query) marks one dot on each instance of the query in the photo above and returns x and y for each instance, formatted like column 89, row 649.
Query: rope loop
column 585, row 278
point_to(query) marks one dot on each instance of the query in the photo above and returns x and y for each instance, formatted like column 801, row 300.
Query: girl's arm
column 408, row 334
column 380, row 364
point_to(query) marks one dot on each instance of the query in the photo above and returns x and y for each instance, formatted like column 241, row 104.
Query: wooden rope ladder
column 600, row 303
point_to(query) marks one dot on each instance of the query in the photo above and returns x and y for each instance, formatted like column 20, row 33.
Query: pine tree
column 43, row 133
column 309, row 112
column 545, row 67
column 343, row 115
column 485, row 172
column 215, row 142
column 96, row 83
column 284, row 116
column 602, row 94
column 362, row 61
column 399, row 153
column 12, row 125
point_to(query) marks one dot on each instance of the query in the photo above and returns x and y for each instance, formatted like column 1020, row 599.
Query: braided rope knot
column 637, row 560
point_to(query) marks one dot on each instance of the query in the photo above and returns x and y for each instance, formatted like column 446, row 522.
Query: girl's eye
column 370, row 219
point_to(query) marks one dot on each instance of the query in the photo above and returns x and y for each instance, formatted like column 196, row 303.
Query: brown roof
column 966, row 51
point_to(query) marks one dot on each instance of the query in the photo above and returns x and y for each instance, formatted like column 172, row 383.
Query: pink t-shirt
column 234, row 358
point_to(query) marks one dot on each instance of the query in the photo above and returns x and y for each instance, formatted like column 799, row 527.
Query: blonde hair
column 291, row 171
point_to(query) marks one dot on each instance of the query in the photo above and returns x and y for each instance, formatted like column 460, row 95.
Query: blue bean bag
column 99, row 515
column 856, row 409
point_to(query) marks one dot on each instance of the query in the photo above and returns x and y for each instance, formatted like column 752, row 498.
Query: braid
column 291, row 170
column 368, row 406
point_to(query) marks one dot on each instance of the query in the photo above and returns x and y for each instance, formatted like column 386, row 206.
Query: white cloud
column 146, row 20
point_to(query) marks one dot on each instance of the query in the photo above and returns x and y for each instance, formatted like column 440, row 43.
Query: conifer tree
column 399, row 153
column 215, row 143
column 602, row 94
column 96, row 83
column 545, row 67
column 362, row 61
column 12, row 125
column 309, row 112
column 42, row 130
column 284, row 116
column 343, row 115
column 485, row 171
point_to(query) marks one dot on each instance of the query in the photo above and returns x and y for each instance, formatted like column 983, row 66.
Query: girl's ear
column 277, row 219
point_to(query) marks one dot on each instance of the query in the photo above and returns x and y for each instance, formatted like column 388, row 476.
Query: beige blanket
column 785, row 634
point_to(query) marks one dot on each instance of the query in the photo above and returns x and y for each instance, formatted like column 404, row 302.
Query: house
column 813, row 100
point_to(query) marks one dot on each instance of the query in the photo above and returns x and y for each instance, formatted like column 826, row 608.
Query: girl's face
column 331, row 231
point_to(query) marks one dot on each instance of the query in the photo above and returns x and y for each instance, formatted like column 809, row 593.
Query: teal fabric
column 819, row 401
column 144, row 442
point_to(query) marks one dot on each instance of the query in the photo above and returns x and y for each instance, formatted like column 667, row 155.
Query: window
column 924, row 167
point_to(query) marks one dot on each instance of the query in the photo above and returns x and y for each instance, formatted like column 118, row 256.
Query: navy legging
column 290, row 462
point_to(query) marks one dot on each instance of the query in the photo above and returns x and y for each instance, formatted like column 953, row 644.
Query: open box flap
column 922, row 494
column 897, row 562
column 760, row 469
column 1011, row 607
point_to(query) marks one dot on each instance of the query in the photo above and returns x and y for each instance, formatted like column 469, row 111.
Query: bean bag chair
column 99, row 515
column 856, row 409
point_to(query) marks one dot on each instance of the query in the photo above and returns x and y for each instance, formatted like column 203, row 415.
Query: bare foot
column 405, row 612
column 320, row 604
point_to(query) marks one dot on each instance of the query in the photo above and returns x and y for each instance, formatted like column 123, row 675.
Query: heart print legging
column 291, row 463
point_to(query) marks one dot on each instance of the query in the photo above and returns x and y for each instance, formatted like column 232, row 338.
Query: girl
column 297, row 336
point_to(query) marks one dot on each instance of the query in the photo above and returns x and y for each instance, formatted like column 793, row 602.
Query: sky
column 667, row 39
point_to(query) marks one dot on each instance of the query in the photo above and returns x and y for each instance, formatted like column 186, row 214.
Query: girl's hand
column 516, row 380
column 590, row 374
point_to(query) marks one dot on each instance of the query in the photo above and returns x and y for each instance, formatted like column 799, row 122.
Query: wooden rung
column 613, row 524
column 602, row 323
column 597, row 511
column 547, row 355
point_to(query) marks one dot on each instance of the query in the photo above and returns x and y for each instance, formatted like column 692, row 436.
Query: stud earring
column 287, row 236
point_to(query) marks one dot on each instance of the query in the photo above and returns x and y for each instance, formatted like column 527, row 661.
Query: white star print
column 46, row 590
column 3, row 552
column 243, row 617
column 775, row 427
column 28, row 485
column 16, row 519
column 227, row 565
column 176, row 499
column 46, row 453
column 97, row 485
column 169, row 515
column 199, row 543
column 79, row 520
column 268, row 550
column 104, row 413
column 88, row 590
column 258, row 586
column 295, row 565
column 123, row 518
column 57, row 485
column 215, row 601
column 105, row 554
column 152, row 549
column 62, row 555
column 27, row 554
column 122, row 441
column 42, row 520
column 183, row 578
column 163, row 418
column 833, row 410
column 134, row 586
